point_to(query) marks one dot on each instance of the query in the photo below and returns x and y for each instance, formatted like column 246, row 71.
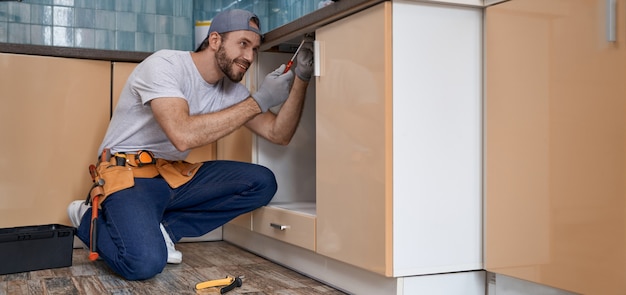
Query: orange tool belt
column 120, row 170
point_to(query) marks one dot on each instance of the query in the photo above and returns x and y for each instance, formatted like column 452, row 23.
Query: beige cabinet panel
column 121, row 72
column 53, row 114
column 353, row 140
column 243, row 220
column 237, row 146
column 202, row 154
column 555, row 145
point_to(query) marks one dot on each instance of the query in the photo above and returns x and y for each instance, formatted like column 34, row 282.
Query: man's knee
column 267, row 179
column 143, row 266
column 267, row 182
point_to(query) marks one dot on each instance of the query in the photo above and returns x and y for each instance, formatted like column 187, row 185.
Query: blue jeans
column 129, row 235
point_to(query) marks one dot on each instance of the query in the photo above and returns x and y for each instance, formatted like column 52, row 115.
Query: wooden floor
column 201, row 261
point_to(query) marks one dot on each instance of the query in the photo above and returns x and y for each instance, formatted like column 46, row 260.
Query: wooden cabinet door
column 555, row 144
column 53, row 113
column 353, row 140
column 121, row 72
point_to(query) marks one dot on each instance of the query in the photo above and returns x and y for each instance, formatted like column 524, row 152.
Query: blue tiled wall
column 132, row 25
column 272, row 13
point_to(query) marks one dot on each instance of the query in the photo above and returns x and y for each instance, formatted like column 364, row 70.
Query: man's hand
column 304, row 69
column 274, row 90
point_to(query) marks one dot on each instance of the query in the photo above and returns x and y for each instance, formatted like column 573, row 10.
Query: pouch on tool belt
column 177, row 173
column 146, row 171
column 116, row 178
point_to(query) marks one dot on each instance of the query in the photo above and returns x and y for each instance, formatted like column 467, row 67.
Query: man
column 175, row 101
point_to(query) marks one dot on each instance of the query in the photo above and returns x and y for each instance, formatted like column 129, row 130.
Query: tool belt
column 120, row 170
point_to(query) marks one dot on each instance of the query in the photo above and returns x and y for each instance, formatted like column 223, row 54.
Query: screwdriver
column 290, row 63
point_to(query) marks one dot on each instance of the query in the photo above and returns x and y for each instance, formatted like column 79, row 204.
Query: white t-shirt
column 166, row 73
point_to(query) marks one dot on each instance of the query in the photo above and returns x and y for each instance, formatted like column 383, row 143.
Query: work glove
column 304, row 68
column 274, row 90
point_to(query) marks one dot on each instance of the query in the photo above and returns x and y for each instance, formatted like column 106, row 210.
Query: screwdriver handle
column 288, row 67
column 290, row 63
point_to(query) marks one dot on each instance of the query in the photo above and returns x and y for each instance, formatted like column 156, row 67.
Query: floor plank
column 202, row 261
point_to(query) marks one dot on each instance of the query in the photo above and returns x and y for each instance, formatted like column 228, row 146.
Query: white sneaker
column 173, row 256
column 75, row 211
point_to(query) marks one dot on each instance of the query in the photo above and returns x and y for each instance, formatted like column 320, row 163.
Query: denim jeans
column 129, row 238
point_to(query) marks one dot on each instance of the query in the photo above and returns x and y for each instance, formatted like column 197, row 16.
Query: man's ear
column 214, row 40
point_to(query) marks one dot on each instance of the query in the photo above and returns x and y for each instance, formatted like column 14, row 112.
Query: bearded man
column 172, row 102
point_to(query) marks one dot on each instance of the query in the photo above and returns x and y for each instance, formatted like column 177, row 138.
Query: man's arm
column 280, row 128
column 186, row 131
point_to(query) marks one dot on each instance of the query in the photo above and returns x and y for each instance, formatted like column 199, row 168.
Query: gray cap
column 234, row 20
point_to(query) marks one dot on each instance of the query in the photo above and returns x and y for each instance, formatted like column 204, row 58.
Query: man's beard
column 226, row 65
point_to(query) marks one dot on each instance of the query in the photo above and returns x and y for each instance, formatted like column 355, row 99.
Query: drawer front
column 285, row 225
column 243, row 220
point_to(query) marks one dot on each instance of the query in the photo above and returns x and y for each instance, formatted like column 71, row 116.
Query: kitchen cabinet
column 555, row 194
column 293, row 206
column 54, row 113
column 389, row 154
column 121, row 72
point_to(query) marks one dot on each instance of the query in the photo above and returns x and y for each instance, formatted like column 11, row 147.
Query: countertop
column 284, row 34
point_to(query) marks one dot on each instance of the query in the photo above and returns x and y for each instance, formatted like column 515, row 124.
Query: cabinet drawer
column 243, row 220
column 288, row 226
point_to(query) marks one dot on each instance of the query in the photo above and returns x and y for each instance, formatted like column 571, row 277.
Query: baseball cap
column 234, row 20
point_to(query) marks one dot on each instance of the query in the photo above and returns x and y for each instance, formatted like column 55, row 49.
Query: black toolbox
column 38, row 247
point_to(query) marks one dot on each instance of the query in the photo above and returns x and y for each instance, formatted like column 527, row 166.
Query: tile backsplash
column 131, row 25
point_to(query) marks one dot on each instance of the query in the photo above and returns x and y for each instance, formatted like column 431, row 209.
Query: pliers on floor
column 229, row 283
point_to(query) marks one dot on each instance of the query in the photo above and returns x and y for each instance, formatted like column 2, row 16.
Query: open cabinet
column 380, row 191
column 291, row 215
